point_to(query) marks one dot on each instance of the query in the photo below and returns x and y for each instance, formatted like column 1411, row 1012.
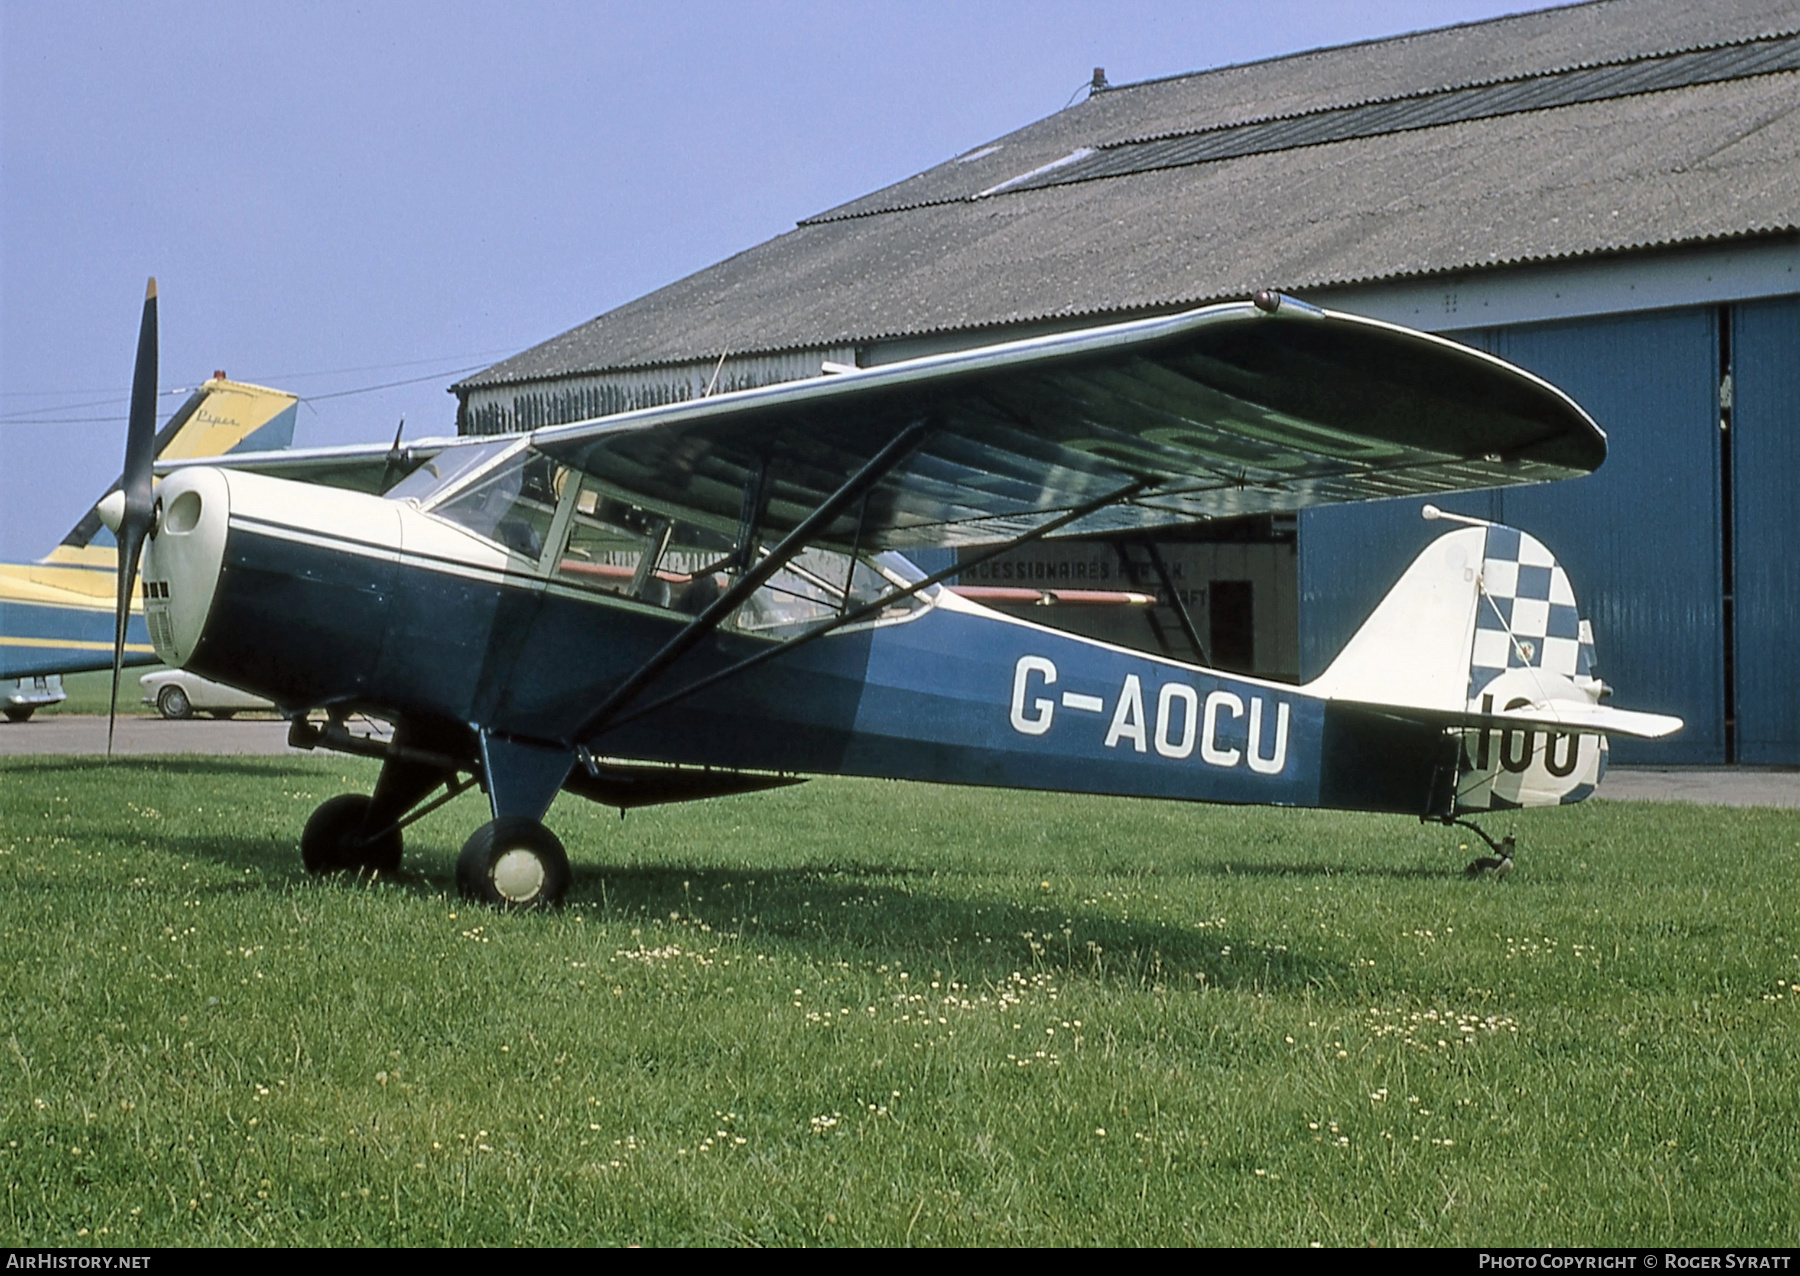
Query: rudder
column 1483, row 624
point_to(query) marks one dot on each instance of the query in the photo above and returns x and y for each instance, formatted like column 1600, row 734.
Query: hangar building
column 1607, row 194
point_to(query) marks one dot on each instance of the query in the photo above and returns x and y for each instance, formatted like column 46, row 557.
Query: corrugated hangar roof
column 1599, row 128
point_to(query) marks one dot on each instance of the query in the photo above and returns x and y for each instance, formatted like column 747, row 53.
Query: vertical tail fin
column 1484, row 623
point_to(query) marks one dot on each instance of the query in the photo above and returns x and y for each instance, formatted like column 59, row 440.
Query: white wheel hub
column 519, row 876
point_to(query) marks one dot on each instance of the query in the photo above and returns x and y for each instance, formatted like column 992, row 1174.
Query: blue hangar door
column 1764, row 473
column 1641, row 538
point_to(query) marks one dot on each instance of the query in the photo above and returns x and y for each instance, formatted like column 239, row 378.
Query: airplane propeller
column 130, row 503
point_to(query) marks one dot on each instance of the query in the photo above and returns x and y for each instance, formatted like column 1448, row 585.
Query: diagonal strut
column 874, row 607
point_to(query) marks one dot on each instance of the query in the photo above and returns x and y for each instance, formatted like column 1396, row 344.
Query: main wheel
column 172, row 702
column 332, row 841
column 20, row 714
column 513, row 862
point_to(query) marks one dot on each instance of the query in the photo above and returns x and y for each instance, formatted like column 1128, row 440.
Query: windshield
column 444, row 469
column 513, row 504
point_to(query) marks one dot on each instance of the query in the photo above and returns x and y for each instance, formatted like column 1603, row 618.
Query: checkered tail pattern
column 1526, row 617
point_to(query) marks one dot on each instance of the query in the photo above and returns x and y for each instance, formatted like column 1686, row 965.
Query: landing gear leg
column 352, row 833
column 513, row 861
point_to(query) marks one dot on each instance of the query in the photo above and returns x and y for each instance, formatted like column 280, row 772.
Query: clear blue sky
column 336, row 196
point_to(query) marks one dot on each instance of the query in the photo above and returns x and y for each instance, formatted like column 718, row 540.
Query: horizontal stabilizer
column 1554, row 715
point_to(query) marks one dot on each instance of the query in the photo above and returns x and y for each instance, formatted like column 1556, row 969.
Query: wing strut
column 897, row 451
column 750, row 517
column 1181, row 611
column 875, row 607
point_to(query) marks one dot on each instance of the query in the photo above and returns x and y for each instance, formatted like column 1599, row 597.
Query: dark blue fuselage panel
column 955, row 694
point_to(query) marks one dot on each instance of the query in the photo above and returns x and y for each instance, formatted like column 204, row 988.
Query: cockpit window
column 512, row 506
column 616, row 547
column 810, row 589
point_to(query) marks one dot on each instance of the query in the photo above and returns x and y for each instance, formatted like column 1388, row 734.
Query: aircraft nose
column 182, row 559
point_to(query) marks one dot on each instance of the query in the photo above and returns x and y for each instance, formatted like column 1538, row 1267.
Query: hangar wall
column 1240, row 596
column 1676, row 545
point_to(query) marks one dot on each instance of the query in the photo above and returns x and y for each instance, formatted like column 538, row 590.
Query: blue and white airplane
column 710, row 597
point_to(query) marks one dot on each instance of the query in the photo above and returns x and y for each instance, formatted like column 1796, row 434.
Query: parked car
column 25, row 696
column 178, row 694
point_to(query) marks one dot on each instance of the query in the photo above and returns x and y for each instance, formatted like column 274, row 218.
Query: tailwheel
column 1500, row 863
column 513, row 862
column 333, row 840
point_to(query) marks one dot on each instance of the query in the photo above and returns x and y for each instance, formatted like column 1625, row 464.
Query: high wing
column 1247, row 408
column 1229, row 410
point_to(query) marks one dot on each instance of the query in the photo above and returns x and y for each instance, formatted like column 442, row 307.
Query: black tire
column 173, row 703
column 20, row 714
column 332, row 840
column 513, row 862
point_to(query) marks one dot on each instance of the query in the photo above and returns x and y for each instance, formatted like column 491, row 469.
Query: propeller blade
column 134, row 523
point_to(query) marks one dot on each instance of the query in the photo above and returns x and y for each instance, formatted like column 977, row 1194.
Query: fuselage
column 321, row 598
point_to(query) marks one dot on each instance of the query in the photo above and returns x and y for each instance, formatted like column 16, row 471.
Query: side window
column 615, row 547
column 692, row 569
column 607, row 541
column 790, row 599
column 618, row 548
column 811, row 588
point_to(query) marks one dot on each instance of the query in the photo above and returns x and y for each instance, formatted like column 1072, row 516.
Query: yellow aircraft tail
column 56, row 615
column 219, row 418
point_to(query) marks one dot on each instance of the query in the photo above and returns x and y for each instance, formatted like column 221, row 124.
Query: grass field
column 873, row 1013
